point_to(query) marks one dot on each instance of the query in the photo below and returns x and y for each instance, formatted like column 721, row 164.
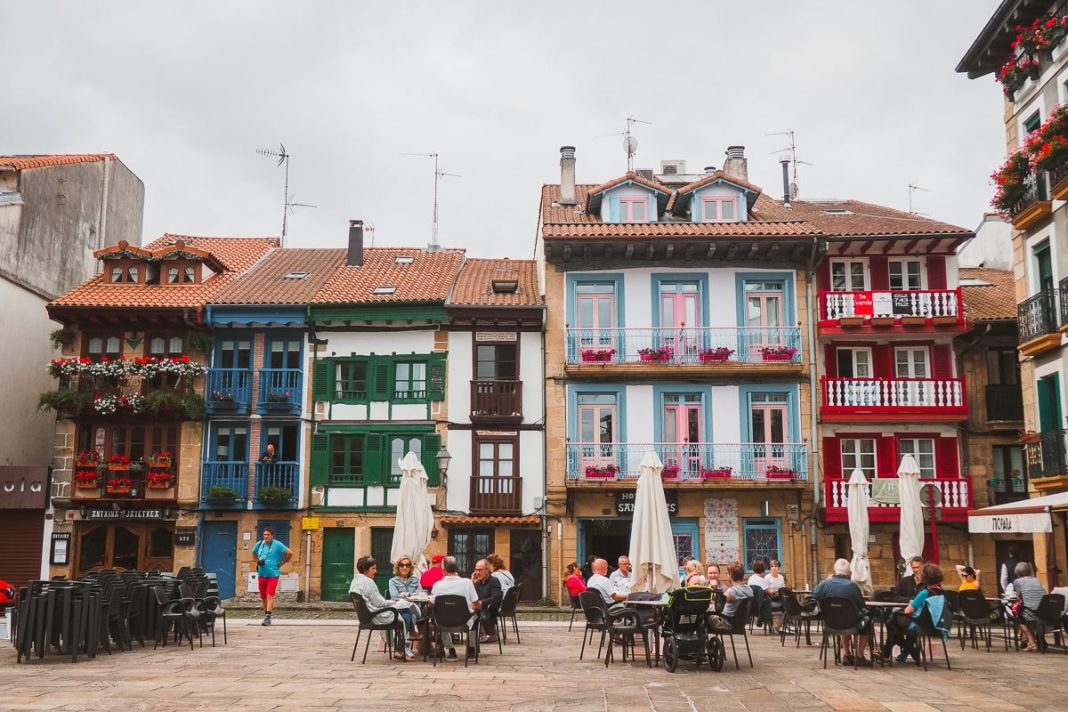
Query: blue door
column 219, row 554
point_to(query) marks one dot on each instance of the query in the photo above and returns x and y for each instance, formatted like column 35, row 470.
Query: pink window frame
column 626, row 209
column 718, row 201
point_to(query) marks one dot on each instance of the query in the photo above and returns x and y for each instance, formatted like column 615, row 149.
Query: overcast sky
column 186, row 92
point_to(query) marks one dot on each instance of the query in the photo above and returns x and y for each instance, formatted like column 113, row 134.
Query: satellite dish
column 630, row 145
column 793, row 191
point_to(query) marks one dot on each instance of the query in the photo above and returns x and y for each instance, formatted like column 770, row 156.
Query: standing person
column 500, row 572
column 622, row 578
column 432, row 575
column 270, row 455
column 906, row 588
column 451, row 584
column 363, row 583
column 1008, row 569
column 401, row 586
column 488, row 588
column 269, row 557
column 969, row 578
column 840, row 585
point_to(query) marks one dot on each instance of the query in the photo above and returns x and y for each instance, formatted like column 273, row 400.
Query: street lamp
column 444, row 458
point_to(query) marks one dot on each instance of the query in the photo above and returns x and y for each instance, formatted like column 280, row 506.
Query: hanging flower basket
column 88, row 458
column 86, row 479
column 602, row 472
column 159, row 480
column 118, row 463
column 670, row 472
column 161, row 459
column 720, row 353
column 716, row 473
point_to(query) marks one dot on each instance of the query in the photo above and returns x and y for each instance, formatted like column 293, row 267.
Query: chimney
column 355, row 256
column 736, row 165
column 709, row 170
column 786, row 197
column 567, row 175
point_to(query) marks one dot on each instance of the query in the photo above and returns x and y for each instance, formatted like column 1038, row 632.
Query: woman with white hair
column 1030, row 592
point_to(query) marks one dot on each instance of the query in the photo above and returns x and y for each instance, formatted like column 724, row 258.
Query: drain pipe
column 814, row 449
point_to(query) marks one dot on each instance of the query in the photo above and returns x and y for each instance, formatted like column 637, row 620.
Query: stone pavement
column 304, row 665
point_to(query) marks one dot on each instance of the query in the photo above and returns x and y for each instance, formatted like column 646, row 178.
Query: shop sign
column 112, row 514
column 625, row 502
column 185, row 537
column 60, row 547
column 23, row 487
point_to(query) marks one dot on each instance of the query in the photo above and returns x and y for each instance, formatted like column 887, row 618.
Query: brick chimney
column 355, row 255
column 736, row 165
column 567, row 175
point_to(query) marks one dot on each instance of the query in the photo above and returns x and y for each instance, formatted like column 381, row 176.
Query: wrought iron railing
column 711, row 462
column 1035, row 189
column 1038, row 315
column 684, row 345
column 1045, row 452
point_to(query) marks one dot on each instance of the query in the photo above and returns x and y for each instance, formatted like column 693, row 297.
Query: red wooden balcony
column 894, row 398
column 500, row 401
column 912, row 309
column 496, row 495
column 883, row 500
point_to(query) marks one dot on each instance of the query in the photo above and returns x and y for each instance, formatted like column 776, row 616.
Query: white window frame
column 926, row 472
column 854, row 350
column 911, row 351
column 903, row 262
column 849, row 277
column 718, row 201
column 857, row 453
column 626, row 209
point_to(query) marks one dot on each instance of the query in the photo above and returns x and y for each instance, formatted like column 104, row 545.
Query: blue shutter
column 613, row 210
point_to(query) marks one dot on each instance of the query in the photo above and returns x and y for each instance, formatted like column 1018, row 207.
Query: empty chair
column 624, row 625
column 796, row 615
column 179, row 612
column 596, row 613
column 507, row 612
column 975, row 617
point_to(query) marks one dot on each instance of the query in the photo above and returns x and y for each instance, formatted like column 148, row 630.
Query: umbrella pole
column 934, row 531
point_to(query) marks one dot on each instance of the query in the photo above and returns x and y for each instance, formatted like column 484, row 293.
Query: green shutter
column 375, row 459
column 320, row 459
column 431, row 445
column 380, row 372
column 435, row 378
column 323, row 388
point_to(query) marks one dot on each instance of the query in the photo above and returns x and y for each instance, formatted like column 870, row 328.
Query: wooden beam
column 649, row 251
column 630, row 251
column 691, row 249
column 586, row 251
column 670, row 250
column 773, row 250
column 866, row 246
column 889, row 246
column 910, row 246
column 711, row 250
column 567, row 253
column 732, row 251
column 753, row 250
column 933, row 247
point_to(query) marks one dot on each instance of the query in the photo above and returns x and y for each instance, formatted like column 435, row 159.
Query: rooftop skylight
column 385, row 289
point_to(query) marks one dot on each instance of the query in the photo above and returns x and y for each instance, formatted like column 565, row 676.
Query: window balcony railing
column 271, row 479
column 896, row 305
column 690, row 462
column 496, row 400
column 684, row 345
column 229, row 390
column 1008, row 489
column 1038, row 315
column 1004, row 401
column 1064, row 302
column 884, row 504
column 228, row 477
column 894, row 395
column 1035, row 190
column 496, row 495
column 1045, row 453
column 280, row 390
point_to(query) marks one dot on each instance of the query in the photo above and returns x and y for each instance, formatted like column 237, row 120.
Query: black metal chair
column 575, row 607
column 975, row 617
column 393, row 625
column 734, row 625
column 213, row 611
column 794, row 614
column 623, row 625
column 760, row 613
column 596, row 613
column 451, row 615
column 179, row 612
column 926, row 631
column 507, row 613
column 841, row 618
column 1049, row 619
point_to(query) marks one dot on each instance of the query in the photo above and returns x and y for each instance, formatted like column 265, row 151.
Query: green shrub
column 221, row 492
column 63, row 401
column 274, row 495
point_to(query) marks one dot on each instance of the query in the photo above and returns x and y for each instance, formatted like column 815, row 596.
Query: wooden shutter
column 823, row 276
column 830, row 361
column 936, row 272
column 882, row 356
column 435, row 378
column 613, row 209
column 885, row 456
column 946, row 460
column 879, row 273
column 323, row 386
column 429, row 457
column 942, row 361
column 319, row 470
column 21, row 533
column 832, row 457
column 375, row 459
column 380, row 373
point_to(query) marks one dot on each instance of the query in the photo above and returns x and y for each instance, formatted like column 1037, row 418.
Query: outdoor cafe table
column 885, row 609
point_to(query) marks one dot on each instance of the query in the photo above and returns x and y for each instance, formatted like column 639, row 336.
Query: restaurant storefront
column 120, row 537
column 23, row 498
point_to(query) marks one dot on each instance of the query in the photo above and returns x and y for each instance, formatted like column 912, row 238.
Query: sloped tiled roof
column 267, row 281
column 681, row 229
column 995, row 302
column 861, row 219
column 235, row 254
column 428, row 278
column 719, row 175
column 630, row 176
column 25, row 162
column 474, row 286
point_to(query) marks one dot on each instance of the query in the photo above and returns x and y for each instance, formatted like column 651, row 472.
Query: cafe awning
column 1029, row 516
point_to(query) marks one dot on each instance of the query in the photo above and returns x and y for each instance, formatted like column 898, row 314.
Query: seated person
column 433, row 574
column 574, row 581
column 451, row 584
column 734, row 595
column 363, row 583
column 758, row 580
column 840, row 585
column 404, row 584
column 906, row 588
column 969, row 578
column 488, row 588
column 1030, row 591
column 899, row 627
column 600, row 583
column 622, row 578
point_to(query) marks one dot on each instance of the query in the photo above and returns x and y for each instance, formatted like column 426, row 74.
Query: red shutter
column 830, row 361
column 832, row 458
column 946, row 462
column 883, row 358
column 942, row 361
column 936, row 272
column 823, row 276
column 880, row 273
column 885, row 456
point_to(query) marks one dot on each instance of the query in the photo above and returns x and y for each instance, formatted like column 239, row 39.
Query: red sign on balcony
column 862, row 304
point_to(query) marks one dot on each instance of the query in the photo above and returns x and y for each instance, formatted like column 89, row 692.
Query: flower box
column 89, row 458
column 943, row 320
column 159, row 484
column 780, row 474
column 777, row 357
column 118, row 467
column 849, row 321
column 607, row 472
column 160, row 462
column 914, row 320
column 670, row 472
column 713, row 357
column 882, row 321
column 597, row 355
column 277, row 405
column 87, row 484
column 225, row 404
column 655, row 357
column 716, row 474
column 117, row 489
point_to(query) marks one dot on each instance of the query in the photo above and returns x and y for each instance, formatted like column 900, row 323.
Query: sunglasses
column 404, row 566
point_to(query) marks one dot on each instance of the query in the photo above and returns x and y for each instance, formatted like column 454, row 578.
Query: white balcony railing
column 894, row 394
column 684, row 345
column 694, row 461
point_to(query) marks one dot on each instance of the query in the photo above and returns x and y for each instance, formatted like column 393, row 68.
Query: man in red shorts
column 270, row 556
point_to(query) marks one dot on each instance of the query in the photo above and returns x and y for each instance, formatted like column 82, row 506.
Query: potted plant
column 64, row 401
column 777, row 353
column 89, row 458
column 659, row 353
column 162, row 403
column 774, row 472
column 223, row 400
column 1030, row 436
column 221, row 494
column 193, row 406
column 274, row 495
column 1010, row 181
column 160, row 479
column 592, row 355
column 119, row 463
column 278, row 400
column 719, row 353
column 715, row 472
column 86, row 479
column 604, row 472
column 670, row 472
column 161, row 458
column 118, row 485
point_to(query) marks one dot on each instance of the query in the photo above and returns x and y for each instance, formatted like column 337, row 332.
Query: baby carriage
column 685, row 629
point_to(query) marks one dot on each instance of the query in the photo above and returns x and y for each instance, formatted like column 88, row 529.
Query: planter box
column 665, row 475
column 778, row 357
column 780, row 475
column 118, row 468
column 161, row 463
column 714, row 357
column 222, row 501
column 87, row 485
column 596, row 358
column 715, row 474
column 944, row 320
column 277, row 502
column 600, row 475
column 225, row 405
column 851, row 321
column 88, row 464
column 277, row 405
column 160, row 485
column 653, row 357
column 914, row 320
column 117, row 490
column 882, row 321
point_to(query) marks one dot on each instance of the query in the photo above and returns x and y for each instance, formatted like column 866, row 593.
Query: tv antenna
column 438, row 174
column 287, row 199
column 630, row 143
column 913, row 189
column 791, row 151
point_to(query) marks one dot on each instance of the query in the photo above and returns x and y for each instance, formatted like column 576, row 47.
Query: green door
column 1049, row 403
column 381, row 545
column 339, row 557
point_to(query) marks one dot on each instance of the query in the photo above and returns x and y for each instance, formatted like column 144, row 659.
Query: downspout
column 102, row 223
column 547, row 547
column 814, row 450
column 312, row 344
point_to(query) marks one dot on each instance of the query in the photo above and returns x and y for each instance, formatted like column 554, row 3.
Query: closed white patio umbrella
column 908, row 486
column 415, row 520
column 652, row 548
column 858, row 530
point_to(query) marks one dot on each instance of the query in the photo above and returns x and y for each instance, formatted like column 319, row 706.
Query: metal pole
column 285, row 201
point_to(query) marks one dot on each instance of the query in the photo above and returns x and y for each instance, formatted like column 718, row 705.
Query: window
column 1032, row 122
column 923, row 450
column 284, row 353
column 595, row 314
column 496, row 457
column 911, row 363
column 233, row 354
column 470, row 545
column 1009, row 470
column 99, row 346
column 761, row 541
column 404, row 259
column 906, row 275
column 633, row 210
column 368, row 458
column 399, row 446
column 385, row 289
column 496, row 362
column 409, row 381
column 849, row 276
column 181, row 273
column 230, row 443
column 286, row 439
column 296, row 275
column 162, row 346
column 124, row 272
column 854, row 363
column 346, row 460
column 720, row 208
column 351, row 382
column 1002, row 367
column 406, row 379
column 858, row 454
column 137, row 442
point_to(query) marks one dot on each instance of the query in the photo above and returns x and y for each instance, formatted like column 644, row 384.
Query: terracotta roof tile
column 474, row 286
column 267, row 281
column 718, row 175
column 860, row 219
column 633, row 176
column 752, row 228
column 25, row 162
column 995, row 302
column 235, row 254
column 528, row 521
column 428, row 278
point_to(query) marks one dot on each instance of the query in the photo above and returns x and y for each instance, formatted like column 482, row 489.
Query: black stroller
column 685, row 629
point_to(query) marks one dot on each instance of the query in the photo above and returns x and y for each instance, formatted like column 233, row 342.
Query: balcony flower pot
column 607, row 472
column 118, row 467
column 944, row 320
column 662, row 353
column 222, row 496
column 277, row 405
column 87, row 484
column 160, row 485
column 849, row 321
column 597, row 355
column 914, row 320
column 777, row 353
column 718, row 473
column 88, row 458
column 882, row 321
column 274, row 495
column 779, row 474
column 117, row 489
column 718, row 354
column 670, row 472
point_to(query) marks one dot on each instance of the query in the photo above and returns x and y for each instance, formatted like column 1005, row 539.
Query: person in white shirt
column 451, row 584
column 600, row 583
column 622, row 578
column 501, row 573
column 758, row 580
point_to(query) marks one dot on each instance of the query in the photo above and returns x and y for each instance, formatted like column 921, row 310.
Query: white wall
column 991, row 247
column 531, row 468
column 364, row 343
column 461, row 371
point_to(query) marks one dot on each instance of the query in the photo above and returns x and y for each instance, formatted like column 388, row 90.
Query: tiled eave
column 874, row 245
column 994, row 43
column 638, row 252
column 127, row 318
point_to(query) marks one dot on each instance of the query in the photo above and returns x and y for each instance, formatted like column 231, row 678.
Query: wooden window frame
column 476, row 345
column 718, row 202
column 105, row 335
column 495, row 440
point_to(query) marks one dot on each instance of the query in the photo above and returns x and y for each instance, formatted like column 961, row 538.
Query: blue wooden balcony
column 280, row 391
column 232, row 475
column 229, row 391
column 277, row 476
